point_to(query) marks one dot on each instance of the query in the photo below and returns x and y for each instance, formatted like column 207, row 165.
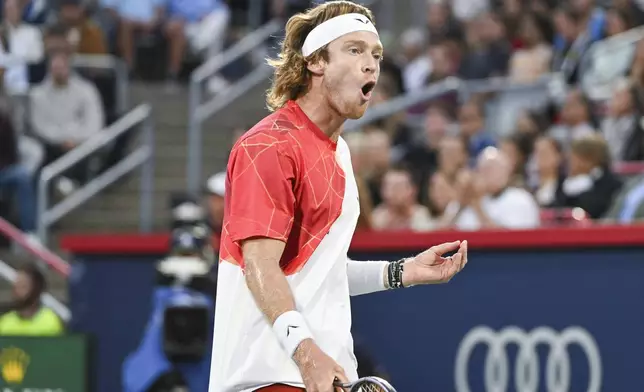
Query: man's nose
column 370, row 66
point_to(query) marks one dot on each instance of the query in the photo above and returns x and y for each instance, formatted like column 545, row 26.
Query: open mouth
column 368, row 88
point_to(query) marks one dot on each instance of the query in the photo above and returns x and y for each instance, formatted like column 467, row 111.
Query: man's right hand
column 318, row 370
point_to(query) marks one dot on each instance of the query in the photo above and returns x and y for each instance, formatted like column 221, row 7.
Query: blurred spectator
column 83, row 34
column 200, row 24
column 215, row 192
column 422, row 157
column 399, row 132
column 399, row 209
column 592, row 17
column 16, row 177
column 21, row 45
column 617, row 22
column 471, row 120
column 141, row 16
column 622, row 127
column 629, row 203
column 533, row 59
column 488, row 51
column 377, row 160
column 590, row 184
column 488, row 200
column 452, row 160
column 634, row 8
column 466, row 10
column 518, row 148
column 66, row 110
column 441, row 25
column 572, row 41
column 548, row 156
column 637, row 67
column 29, row 316
column 417, row 63
column 442, row 63
column 35, row 12
column 575, row 121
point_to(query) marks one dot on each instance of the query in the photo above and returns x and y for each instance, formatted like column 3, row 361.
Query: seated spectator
column 576, row 119
column 518, row 149
column 29, row 316
column 16, row 177
column 471, row 120
column 423, row 156
column 201, row 24
column 66, row 109
column 487, row 200
column 548, row 157
column 140, row 16
column 533, row 60
column 441, row 24
column 215, row 192
column 417, row 63
column 622, row 127
column 572, row 42
column 592, row 16
column 35, row 12
column 377, row 147
column 488, row 49
column 399, row 209
column 83, row 34
column 629, row 203
column 590, row 184
column 20, row 45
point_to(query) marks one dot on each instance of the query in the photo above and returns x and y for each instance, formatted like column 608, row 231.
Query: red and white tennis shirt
column 286, row 180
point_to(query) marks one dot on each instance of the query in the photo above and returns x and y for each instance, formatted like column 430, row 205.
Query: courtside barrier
column 535, row 310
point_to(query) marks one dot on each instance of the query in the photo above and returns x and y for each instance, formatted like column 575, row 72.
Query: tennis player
column 283, row 317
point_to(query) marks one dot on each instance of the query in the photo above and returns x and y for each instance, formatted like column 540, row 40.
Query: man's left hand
column 430, row 267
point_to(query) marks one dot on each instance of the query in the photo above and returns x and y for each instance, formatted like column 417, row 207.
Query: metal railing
column 141, row 156
column 107, row 62
column 607, row 60
column 464, row 88
column 200, row 110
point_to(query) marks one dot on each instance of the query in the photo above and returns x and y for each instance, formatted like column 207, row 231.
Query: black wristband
column 395, row 273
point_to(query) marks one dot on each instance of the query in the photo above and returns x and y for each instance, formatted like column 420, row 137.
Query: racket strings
column 368, row 387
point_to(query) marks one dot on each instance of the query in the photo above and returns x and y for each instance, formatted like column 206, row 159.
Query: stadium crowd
column 512, row 159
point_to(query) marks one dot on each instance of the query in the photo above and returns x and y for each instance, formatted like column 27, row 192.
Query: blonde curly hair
column 291, row 77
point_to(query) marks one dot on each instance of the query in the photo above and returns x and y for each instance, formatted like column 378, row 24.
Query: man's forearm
column 273, row 296
column 265, row 279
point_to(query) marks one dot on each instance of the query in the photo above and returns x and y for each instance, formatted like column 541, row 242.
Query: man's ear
column 316, row 68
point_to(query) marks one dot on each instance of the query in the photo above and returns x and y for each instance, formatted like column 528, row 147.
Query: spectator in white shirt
column 21, row 45
column 66, row 109
column 488, row 201
column 417, row 63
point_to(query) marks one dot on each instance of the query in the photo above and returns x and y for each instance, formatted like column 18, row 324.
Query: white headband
column 335, row 28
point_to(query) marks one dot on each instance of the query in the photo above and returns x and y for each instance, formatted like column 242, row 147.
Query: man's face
column 470, row 119
column 59, row 68
column 352, row 72
column 397, row 189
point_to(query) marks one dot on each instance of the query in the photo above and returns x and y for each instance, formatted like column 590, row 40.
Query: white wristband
column 290, row 329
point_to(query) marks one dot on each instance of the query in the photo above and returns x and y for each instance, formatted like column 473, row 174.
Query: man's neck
column 327, row 119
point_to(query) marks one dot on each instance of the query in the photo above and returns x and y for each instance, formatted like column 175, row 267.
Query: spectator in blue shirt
column 196, row 24
column 472, row 126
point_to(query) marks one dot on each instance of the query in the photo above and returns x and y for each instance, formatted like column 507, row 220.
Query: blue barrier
column 538, row 310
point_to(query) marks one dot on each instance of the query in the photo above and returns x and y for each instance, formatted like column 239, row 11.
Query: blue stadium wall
column 543, row 310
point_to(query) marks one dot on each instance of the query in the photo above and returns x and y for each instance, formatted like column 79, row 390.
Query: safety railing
column 107, row 62
column 200, row 110
column 607, row 60
column 464, row 88
column 41, row 253
column 141, row 156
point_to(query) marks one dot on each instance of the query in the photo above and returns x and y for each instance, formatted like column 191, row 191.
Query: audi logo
column 526, row 366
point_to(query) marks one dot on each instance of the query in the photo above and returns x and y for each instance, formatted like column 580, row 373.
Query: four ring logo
column 526, row 366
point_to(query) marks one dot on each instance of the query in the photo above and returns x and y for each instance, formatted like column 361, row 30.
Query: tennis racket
column 367, row 384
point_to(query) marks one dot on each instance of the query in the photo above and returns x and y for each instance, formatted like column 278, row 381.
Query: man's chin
column 357, row 112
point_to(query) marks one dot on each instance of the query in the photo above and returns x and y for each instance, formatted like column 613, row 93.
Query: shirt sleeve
column 259, row 189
